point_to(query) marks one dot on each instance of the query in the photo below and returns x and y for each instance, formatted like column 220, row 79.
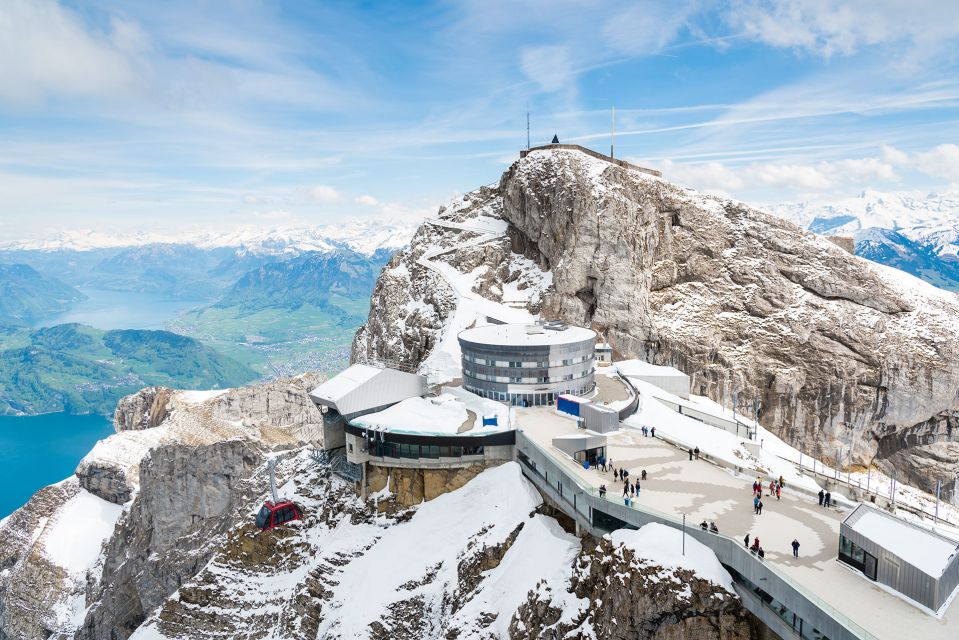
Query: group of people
column 710, row 527
column 757, row 550
column 693, row 452
column 825, row 498
column 649, row 431
column 630, row 489
column 775, row 489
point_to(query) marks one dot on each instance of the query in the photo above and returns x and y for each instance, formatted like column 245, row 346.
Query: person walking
column 625, row 490
column 746, row 541
column 772, row 488
column 690, row 454
column 778, row 492
column 828, row 499
column 759, row 507
column 782, row 483
column 637, row 487
column 632, row 489
column 696, row 450
column 602, row 491
column 643, row 474
column 652, row 431
column 795, row 548
column 822, row 497
column 755, row 504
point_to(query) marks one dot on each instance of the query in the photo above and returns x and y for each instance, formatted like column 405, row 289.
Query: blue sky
column 196, row 115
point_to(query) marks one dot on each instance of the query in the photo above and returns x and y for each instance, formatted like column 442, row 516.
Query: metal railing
column 582, row 498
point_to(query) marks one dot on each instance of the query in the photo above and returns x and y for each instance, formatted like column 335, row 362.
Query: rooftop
column 641, row 368
column 453, row 412
column 528, row 335
column 361, row 387
column 922, row 549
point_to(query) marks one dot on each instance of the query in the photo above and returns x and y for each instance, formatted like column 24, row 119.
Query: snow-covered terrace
column 701, row 490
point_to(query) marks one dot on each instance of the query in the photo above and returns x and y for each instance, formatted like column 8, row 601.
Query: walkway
column 700, row 490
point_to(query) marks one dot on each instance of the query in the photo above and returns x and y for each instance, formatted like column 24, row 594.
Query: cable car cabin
column 273, row 515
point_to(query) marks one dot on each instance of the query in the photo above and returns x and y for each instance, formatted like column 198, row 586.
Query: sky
column 161, row 116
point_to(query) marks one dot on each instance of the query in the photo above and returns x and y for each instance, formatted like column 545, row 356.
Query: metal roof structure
column 526, row 335
column 362, row 388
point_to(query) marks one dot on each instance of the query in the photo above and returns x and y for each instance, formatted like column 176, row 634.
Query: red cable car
column 273, row 515
column 276, row 512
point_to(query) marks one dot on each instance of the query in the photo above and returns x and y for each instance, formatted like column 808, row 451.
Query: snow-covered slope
column 364, row 236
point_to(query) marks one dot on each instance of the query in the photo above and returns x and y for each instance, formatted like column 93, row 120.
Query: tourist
column 746, row 541
column 602, row 491
column 713, row 528
column 704, row 525
column 632, row 489
column 761, row 553
column 828, row 500
column 690, row 454
column 795, row 548
column 755, row 504
column 755, row 546
column 821, row 497
column 782, row 483
column 778, row 492
column 637, row 487
column 754, row 488
column 643, row 474
column 652, row 431
column 696, row 450
column 772, row 488
column 759, row 508
column 625, row 490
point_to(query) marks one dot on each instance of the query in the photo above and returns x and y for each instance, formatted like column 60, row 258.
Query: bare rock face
column 630, row 598
column 412, row 486
column 832, row 352
column 187, row 499
column 144, row 409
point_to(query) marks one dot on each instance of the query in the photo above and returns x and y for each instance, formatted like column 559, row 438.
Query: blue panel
column 567, row 406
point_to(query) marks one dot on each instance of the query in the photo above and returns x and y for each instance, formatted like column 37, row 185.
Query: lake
column 39, row 450
column 106, row 309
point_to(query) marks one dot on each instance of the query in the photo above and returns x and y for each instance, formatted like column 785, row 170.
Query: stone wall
column 412, row 486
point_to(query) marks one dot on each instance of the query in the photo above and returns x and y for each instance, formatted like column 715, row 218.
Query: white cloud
column 367, row 201
column 45, row 50
column 324, row 193
column 941, row 161
column 549, row 66
column 894, row 156
column 831, row 27
column 273, row 215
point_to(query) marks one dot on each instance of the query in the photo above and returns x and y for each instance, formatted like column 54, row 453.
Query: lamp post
column 684, row 534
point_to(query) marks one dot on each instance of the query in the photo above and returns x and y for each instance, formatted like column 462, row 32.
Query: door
column 869, row 566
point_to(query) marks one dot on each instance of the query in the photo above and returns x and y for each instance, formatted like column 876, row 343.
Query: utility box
column 599, row 418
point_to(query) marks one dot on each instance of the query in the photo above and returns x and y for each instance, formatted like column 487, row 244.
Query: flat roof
column 922, row 549
column 344, row 382
column 510, row 335
column 443, row 415
column 641, row 368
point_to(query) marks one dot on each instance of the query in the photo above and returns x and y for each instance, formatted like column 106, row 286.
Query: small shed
column 582, row 447
column 916, row 562
column 568, row 403
column 599, row 418
column 603, row 352
column 668, row 379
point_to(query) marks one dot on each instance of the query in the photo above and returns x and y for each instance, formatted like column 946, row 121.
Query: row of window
column 518, row 364
column 398, row 450
column 521, row 380
column 527, row 399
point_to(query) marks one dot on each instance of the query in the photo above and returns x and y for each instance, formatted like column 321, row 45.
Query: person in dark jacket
column 746, row 541
column 602, row 491
column 713, row 528
column 795, row 548
column 652, row 431
column 625, row 490
column 822, row 497
column 761, row 553
column 696, row 451
column 643, row 475
column 690, row 454
column 828, row 500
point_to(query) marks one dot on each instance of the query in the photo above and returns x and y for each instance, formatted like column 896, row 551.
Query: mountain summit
column 842, row 357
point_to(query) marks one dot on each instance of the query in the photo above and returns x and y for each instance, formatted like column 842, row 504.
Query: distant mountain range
column 26, row 295
column 362, row 236
column 915, row 232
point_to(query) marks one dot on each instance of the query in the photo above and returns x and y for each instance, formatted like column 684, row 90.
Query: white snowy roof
column 922, row 549
column 445, row 414
column 640, row 368
column 525, row 335
column 362, row 387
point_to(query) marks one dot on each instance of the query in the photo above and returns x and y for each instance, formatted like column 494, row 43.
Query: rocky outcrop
column 631, row 598
column 142, row 410
column 410, row 487
column 832, row 351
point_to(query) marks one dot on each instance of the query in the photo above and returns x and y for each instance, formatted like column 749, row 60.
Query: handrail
column 633, row 405
column 672, row 520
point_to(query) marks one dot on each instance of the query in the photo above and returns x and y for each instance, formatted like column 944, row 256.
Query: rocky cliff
column 833, row 352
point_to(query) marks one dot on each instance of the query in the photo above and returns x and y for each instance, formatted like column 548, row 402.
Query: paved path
column 675, row 485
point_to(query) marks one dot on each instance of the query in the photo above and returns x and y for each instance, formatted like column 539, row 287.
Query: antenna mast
column 612, row 133
column 527, row 129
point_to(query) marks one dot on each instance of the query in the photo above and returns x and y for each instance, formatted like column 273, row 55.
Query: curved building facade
column 528, row 364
